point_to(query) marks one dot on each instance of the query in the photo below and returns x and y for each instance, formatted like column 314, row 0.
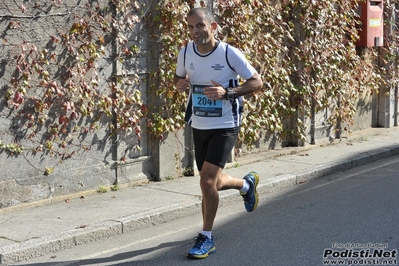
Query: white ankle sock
column 208, row 234
column 245, row 187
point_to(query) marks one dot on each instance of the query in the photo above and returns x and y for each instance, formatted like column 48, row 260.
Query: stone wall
column 26, row 25
column 22, row 179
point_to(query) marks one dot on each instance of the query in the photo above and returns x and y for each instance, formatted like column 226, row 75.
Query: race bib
column 203, row 106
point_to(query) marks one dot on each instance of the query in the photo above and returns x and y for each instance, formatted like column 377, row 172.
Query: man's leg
column 212, row 180
column 210, row 165
column 204, row 244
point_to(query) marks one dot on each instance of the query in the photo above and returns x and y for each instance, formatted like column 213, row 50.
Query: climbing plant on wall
column 305, row 53
column 62, row 83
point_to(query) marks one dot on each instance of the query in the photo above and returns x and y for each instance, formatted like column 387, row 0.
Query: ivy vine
column 60, row 92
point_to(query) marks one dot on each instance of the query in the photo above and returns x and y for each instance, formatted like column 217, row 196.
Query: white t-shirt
column 224, row 65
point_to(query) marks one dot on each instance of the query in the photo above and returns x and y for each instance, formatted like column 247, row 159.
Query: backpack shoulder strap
column 227, row 58
column 184, row 57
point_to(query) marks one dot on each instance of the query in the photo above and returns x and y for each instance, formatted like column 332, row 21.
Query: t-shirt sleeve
column 239, row 63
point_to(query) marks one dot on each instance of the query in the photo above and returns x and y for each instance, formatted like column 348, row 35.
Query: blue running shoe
column 202, row 248
column 251, row 197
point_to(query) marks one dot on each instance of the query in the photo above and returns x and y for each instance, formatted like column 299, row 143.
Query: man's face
column 201, row 31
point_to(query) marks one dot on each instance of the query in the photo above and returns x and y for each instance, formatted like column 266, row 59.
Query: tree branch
column 37, row 16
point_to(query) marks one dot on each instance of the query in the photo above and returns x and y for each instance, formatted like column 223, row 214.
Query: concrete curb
column 341, row 165
column 37, row 247
column 72, row 238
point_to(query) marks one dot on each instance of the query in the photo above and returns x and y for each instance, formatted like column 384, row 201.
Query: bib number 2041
column 203, row 106
column 202, row 101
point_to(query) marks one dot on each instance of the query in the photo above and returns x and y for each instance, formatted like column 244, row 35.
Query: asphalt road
column 348, row 218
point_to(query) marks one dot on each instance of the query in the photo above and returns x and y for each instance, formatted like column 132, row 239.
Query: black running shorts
column 214, row 145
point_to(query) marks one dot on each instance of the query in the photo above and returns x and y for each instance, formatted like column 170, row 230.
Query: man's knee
column 210, row 175
column 207, row 181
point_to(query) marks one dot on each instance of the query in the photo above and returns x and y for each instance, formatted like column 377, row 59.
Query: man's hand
column 182, row 84
column 215, row 92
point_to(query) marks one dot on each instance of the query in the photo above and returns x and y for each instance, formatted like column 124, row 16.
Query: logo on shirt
column 217, row 67
column 192, row 66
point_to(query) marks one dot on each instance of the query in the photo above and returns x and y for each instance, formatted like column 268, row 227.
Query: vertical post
column 153, row 100
column 292, row 123
column 313, row 122
column 386, row 114
column 115, row 67
column 189, row 148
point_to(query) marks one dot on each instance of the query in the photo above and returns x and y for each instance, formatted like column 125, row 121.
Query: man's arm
column 251, row 85
column 217, row 92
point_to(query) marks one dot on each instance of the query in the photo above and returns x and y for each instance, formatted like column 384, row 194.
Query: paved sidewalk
column 38, row 230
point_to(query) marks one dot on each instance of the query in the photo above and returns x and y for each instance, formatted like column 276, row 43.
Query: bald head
column 200, row 11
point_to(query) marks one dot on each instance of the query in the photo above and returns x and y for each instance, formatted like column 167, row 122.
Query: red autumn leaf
column 74, row 115
column 18, row 97
column 67, row 106
column 63, row 120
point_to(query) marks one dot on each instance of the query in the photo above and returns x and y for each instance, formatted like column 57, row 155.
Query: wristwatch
column 230, row 94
